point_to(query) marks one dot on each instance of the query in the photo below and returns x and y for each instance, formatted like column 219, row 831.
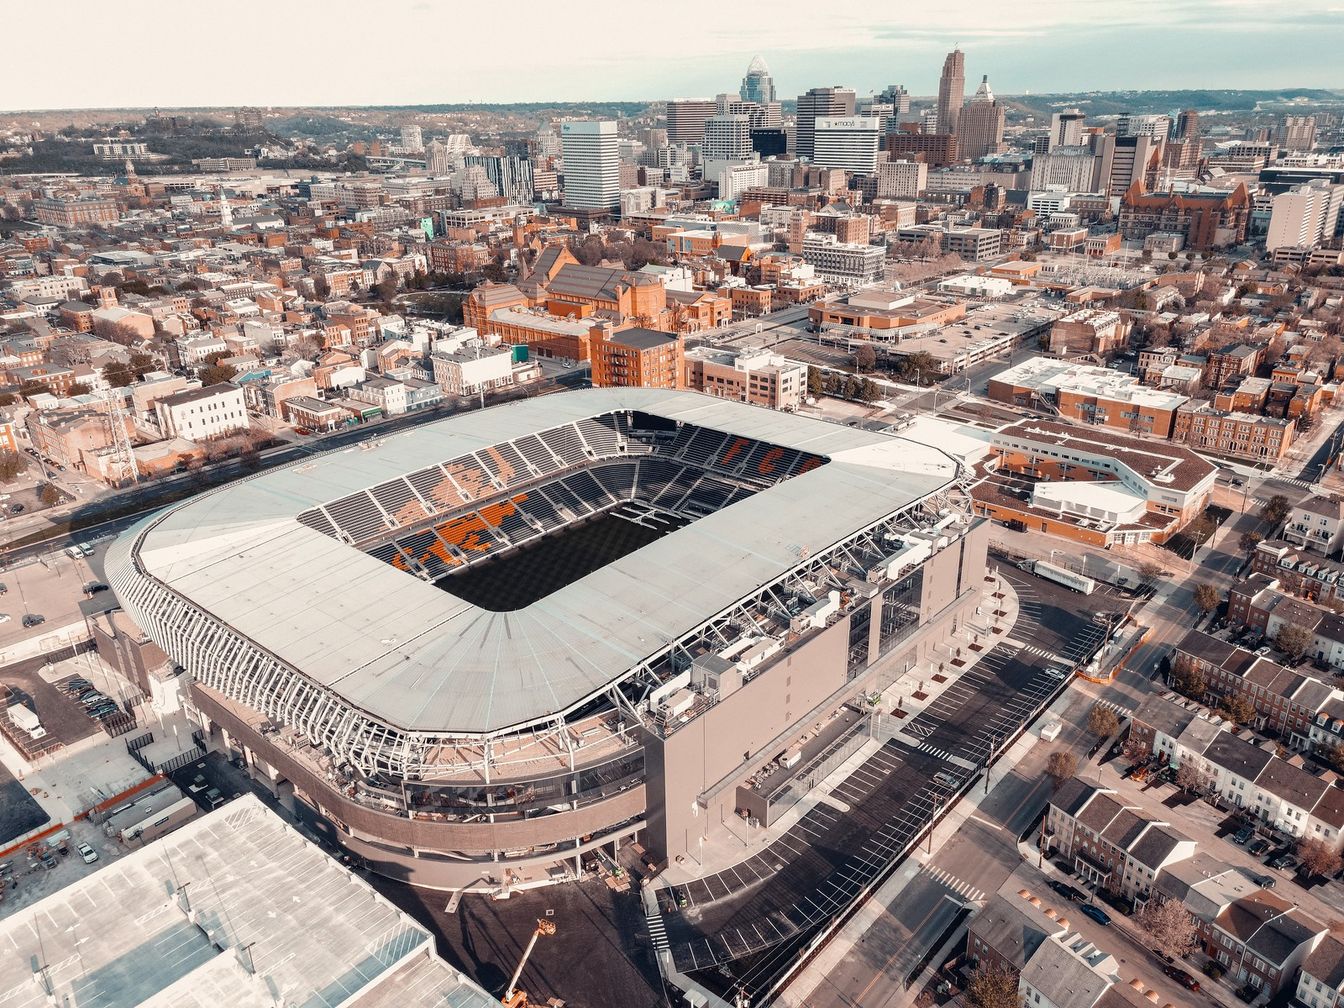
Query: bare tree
column 1294, row 640
column 11, row 466
column 1170, row 926
column 1061, row 766
column 1102, row 721
column 1318, row 858
column 1250, row 540
column 1275, row 510
column 993, row 986
column 1189, row 778
column 1207, row 597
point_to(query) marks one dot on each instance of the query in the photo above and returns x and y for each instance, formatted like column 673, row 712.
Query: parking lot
column 52, row 587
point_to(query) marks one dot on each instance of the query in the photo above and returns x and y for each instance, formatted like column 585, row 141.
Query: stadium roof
column 417, row 657
column 235, row 908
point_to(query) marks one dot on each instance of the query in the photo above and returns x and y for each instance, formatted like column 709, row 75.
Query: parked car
column 1259, row 847
column 1067, row 891
column 1281, row 860
column 85, row 548
column 87, row 853
column 16, row 509
column 33, row 619
column 1095, row 912
column 946, row 779
column 1182, row 977
column 1244, row 834
column 1266, row 881
column 94, row 587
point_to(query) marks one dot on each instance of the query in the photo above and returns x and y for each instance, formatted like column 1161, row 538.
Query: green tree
column 213, row 374
column 1207, row 597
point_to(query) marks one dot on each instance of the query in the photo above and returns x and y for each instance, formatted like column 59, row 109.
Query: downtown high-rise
column 592, row 161
column 951, row 91
column 821, row 102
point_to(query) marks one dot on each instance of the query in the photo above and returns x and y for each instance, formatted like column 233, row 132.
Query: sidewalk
column 906, row 697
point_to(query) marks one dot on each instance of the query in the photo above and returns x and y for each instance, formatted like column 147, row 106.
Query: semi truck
column 1069, row 579
column 27, row 720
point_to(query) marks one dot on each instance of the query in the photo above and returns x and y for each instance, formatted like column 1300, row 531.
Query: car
column 87, row 853
column 946, row 779
column 4, row 617
column 1237, row 483
column 74, row 552
column 1067, row 891
column 4, row 588
column 1259, row 847
column 1181, row 977
column 85, row 548
column 75, row 687
column 1266, row 881
column 94, row 587
column 16, row 509
column 198, row 785
column 1095, row 912
column 1242, row 835
column 1281, row 860
column 213, row 798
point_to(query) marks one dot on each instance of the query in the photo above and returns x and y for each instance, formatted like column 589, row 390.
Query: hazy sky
column 372, row 52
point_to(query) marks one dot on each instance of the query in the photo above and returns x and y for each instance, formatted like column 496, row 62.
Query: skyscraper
column 591, row 152
column 1066, row 129
column 686, row 118
column 980, row 131
column 951, row 91
column 727, row 137
column 823, row 101
column 758, row 86
column 1297, row 133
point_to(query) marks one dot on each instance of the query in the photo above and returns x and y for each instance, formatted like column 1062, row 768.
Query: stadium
column 484, row 647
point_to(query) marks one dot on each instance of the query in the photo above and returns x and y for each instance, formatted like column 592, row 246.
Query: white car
column 4, row 617
column 87, row 853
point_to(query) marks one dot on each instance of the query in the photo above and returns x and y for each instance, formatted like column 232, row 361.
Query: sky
column 144, row 53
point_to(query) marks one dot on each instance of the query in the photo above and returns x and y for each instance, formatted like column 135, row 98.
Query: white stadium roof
column 417, row 657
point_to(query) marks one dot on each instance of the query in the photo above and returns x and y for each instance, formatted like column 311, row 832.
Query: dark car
column 94, row 587
column 16, row 509
column 1243, row 834
column 1182, row 977
column 1067, row 891
column 33, row 619
column 1095, row 912
column 1281, row 860
column 1259, row 847
column 1266, row 881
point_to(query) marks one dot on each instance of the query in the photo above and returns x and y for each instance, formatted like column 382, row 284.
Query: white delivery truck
column 27, row 720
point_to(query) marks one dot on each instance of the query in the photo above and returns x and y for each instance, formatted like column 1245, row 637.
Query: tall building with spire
column 225, row 211
column 980, row 129
column 951, row 91
column 758, row 86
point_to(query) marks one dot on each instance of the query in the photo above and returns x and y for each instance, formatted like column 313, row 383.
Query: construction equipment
column 513, row 997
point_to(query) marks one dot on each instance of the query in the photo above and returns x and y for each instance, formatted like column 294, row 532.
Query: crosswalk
column 930, row 749
column 945, row 878
column 1120, row 709
column 657, row 932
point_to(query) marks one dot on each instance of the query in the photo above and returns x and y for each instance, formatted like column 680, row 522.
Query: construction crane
column 514, row 998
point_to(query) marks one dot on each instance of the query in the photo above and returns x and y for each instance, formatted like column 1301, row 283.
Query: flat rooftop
column 425, row 660
column 1048, row 374
column 235, row 908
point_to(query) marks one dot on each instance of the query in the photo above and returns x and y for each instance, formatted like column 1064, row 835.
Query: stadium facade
column 483, row 647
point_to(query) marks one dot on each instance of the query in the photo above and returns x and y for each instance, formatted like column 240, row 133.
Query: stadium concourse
column 487, row 646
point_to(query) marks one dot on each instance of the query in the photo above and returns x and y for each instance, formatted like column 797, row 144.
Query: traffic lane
column 874, row 971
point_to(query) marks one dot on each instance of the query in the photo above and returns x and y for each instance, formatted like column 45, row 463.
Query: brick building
column 1208, row 220
column 1241, row 436
column 638, row 358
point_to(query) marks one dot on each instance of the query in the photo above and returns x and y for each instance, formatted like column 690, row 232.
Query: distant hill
column 1101, row 103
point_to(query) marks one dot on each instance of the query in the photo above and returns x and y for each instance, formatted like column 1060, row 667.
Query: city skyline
column 1252, row 48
